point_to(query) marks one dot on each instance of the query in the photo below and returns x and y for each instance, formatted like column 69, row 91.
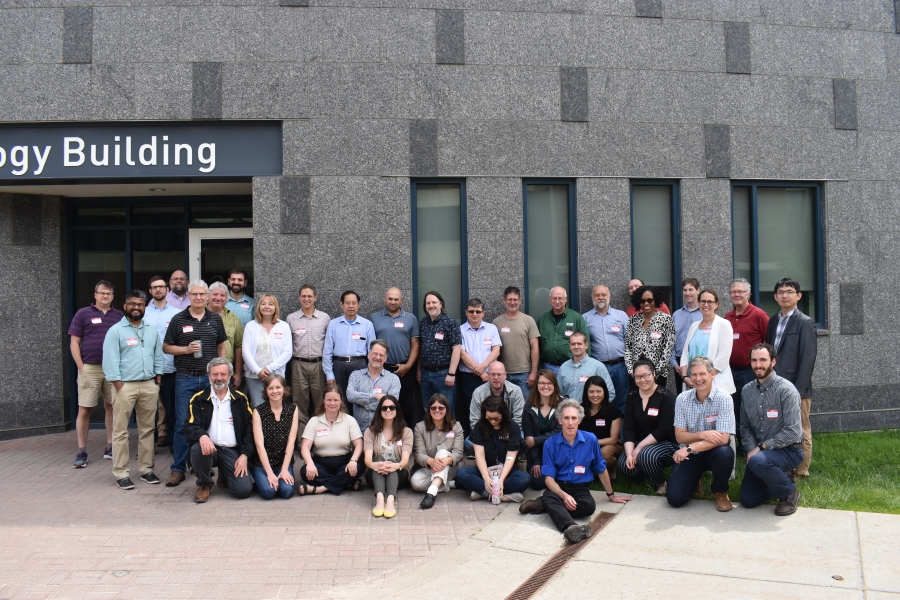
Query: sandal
column 302, row 490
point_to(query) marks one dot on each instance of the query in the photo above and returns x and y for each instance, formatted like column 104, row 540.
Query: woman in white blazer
column 267, row 347
column 712, row 337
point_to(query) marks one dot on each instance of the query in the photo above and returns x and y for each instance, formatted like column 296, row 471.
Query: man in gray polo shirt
column 400, row 330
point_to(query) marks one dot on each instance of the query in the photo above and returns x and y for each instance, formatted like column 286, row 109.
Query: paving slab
column 879, row 540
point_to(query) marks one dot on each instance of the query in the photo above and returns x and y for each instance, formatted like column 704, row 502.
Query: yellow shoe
column 390, row 514
column 378, row 513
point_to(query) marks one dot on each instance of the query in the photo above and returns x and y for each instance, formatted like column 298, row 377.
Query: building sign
column 131, row 150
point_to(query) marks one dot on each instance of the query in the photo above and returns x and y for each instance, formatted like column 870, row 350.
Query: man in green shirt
column 556, row 326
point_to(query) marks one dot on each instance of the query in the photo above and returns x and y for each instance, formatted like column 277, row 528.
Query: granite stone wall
column 375, row 92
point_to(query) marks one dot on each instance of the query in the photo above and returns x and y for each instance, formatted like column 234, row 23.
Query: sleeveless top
column 275, row 434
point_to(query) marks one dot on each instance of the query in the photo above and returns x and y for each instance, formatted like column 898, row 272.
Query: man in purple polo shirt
column 87, row 331
column 178, row 291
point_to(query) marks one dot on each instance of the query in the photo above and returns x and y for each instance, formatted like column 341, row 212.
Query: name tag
column 376, row 390
column 187, row 329
column 616, row 328
column 167, row 324
column 504, row 330
column 301, row 330
column 736, row 336
column 655, row 335
column 570, row 324
column 398, row 324
column 772, row 414
column 132, row 341
column 277, row 335
column 711, row 418
column 601, row 422
column 579, row 470
column 582, row 378
column 488, row 341
column 245, row 305
column 653, row 412
column 451, row 434
column 356, row 336
column 438, row 336
column 321, row 432
column 706, row 331
column 569, row 332
column 399, row 442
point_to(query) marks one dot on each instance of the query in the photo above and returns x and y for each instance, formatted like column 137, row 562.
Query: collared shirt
column 683, row 319
column 332, row 440
column 234, row 330
column 555, row 335
column 160, row 317
column 397, row 332
column 478, row 343
column 511, row 395
column 184, row 329
column 607, row 333
column 91, row 324
column 344, row 338
column 132, row 353
column 783, row 321
column 573, row 463
column 179, row 303
column 770, row 414
column 748, row 330
column 362, row 390
column 221, row 428
column 438, row 339
column 716, row 413
column 308, row 333
column 572, row 376
column 242, row 307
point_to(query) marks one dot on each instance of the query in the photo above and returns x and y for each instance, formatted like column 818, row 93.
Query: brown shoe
column 202, row 494
column 162, row 441
column 221, row 481
column 699, row 490
column 174, row 479
column 723, row 504
column 533, row 506
column 788, row 506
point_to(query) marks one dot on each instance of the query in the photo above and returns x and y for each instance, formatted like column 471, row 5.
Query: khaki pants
column 160, row 419
column 803, row 468
column 92, row 384
column 307, row 380
column 140, row 396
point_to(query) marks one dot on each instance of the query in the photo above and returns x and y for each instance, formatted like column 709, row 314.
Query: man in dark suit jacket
column 793, row 334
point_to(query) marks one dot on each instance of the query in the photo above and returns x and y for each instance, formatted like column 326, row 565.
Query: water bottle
column 495, row 489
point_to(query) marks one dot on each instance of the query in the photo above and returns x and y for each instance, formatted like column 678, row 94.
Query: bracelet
column 451, row 374
column 610, row 494
column 353, row 460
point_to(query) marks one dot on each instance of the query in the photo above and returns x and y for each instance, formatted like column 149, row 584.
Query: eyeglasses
column 104, row 293
column 388, row 408
column 197, row 294
column 738, row 292
column 139, row 304
column 708, row 302
column 545, row 384
column 494, row 419
column 643, row 377
column 785, row 292
column 437, row 408
column 474, row 312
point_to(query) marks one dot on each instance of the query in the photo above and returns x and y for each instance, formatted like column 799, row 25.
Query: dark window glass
column 99, row 255
column 222, row 213
column 439, row 245
column 156, row 214
column 547, row 245
column 155, row 252
column 218, row 257
column 654, row 243
column 96, row 216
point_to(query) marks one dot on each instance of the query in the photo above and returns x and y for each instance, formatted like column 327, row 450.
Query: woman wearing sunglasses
column 387, row 445
column 650, row 334
column 438, row 450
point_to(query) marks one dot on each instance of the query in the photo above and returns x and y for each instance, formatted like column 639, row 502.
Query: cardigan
column 282, row 347
column 721, row 338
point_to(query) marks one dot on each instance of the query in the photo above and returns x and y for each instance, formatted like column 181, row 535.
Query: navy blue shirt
column 573, row 464
column 438, row 338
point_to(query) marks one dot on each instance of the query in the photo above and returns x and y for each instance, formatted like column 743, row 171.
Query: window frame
column 818, row 234
column 574, row 296
column 463, row 239
column 675, row 207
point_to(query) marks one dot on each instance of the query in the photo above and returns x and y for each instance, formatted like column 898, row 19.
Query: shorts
column 92, row 384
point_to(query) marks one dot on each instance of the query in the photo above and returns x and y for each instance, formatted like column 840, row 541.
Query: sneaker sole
column 131, row 487
column 81, row 466
column 150, row 482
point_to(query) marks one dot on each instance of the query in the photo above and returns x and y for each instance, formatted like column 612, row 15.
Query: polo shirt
column 160, row 318
column 601, row 422
column 573, row 463
column 516, row 335
column 478, row 343
column 243, row 307
column 397, row 331
column 184, row 329
column 495, row 447
column 91, row 324
column 344, row 338
column 683, row 319
column 607, row 333
column 572, row 377
column 748, row 330
column 438, row 339
column 132, row 353
column 308, row 333
column 332, row 441
column 179, row 303
column 715, row 413
column 555, row 335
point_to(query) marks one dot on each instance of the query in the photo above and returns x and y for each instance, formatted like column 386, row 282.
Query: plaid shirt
column 783, row 321
column 716, row 413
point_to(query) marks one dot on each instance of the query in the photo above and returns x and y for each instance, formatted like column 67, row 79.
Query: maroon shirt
column 91, row 325
column 631, row 311
column 749, row 330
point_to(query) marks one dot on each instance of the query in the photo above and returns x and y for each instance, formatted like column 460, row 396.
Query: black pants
column 410, row 396
column 224, row 458
column 342, row 371
column 685, row 476
column 556, row 508
column 466, row 384
column 167, row 397
column 332, row 475
column 742, row 376
column 679, row 380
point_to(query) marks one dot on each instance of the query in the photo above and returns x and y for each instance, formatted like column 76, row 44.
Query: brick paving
column 71, row 533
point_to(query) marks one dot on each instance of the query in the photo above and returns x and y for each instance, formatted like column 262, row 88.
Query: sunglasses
column 388, row 408
column 437, row 409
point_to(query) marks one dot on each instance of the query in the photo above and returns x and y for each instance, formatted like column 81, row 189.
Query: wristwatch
column 689, row 449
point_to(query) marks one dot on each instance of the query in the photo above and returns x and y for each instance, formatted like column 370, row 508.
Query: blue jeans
column 520, row 379
column 433, row 383
column 266, row 491
column 185, row 387
column 619, row 375
column 686, row 475
column 552, row 367
column 470, row 478
column 767, row 475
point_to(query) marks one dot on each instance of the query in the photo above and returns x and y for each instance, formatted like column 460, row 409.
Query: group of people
column 205, row 370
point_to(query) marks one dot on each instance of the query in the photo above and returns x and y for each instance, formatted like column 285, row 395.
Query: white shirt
column 221, row 429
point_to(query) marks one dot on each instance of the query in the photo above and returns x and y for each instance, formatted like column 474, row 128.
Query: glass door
column 214, row 252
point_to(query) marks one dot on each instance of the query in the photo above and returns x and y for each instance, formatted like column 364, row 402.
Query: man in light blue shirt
column 238, row 302
column 607, row 326
column 575, row 371
column 159, row 313
column 133, row 364
column 346, row 342
column 480, row 347
column 684, row 317
column 368, row 386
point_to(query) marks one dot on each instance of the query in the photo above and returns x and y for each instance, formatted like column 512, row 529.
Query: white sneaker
column 473, row 496
column 452, row 484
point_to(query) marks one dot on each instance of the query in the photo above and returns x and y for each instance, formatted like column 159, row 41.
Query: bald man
column 400, row 330
column 178, row 296
column 556, row 326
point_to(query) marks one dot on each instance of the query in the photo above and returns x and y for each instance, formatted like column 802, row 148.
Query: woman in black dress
column 275, row 434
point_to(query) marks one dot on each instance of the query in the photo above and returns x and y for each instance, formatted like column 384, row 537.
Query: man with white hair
column 556, row 326
column 195, row 336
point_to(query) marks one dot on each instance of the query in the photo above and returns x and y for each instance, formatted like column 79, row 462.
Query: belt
column 436, row 369
column 187, row 372
column 309, row 360
column 347, row 358
column 614, row 361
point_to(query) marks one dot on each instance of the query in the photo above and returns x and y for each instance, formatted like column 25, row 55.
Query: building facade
column 458, row 145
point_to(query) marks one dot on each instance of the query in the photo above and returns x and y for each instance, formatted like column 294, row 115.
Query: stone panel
column 494, row 204
column 844, row 103
column 78, row 22
column 604, row 236
column 718, row 150
column 454, row 143
column 495, row 257
column 163, row 91
column 295, row 205
column 737, row 47
column 291, row 35
column 250, row 32
column 266, row 205
column 206, row 34
column 48, row 35
column 265, row 90
column 147, row 34
column 510, row 38
column 423, row 148
column 348, row 35
column 407, row 36
column 450, row 37
column 104, row 91
column 797, row 51
column 389, row 208
column 107, row 34
column 293, row 3
column 16, row 41
column 276, row 260
column 706, row 205
column 573, row 94
column 648, row 8
column 876, row 155
column 206, row 88
column 26, row 220
column 864, row 55
column 782, row 153
column 17, row 385
column 852, row 309
column 878, row 105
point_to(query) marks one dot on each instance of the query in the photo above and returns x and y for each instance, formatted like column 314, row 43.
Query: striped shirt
column 184, row 329
column 716, row 413
column 91, row 324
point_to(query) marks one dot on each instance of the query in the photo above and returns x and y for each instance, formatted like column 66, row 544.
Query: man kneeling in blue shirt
column 571, row 460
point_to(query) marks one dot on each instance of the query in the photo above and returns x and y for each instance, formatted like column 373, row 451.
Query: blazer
column 282, row 347
column 370, row 439
column 796, row 358
column 721, row 339
column 427, row 443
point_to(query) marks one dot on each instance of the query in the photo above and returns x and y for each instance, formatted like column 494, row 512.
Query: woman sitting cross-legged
column 602, row 419
column 387, row 446
column 275, row 433
column 497, row 440
column 438, row 449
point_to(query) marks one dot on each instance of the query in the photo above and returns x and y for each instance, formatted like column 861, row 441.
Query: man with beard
column 400, row 330
column 607, row 326
column 178, row 296
column 159, row 313
column 133, row 364
column 772, row 434
column 238, row 302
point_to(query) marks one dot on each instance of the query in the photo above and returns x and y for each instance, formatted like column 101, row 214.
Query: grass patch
column 849, row 471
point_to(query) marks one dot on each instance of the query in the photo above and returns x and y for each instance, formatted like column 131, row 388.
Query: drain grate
column 556, row 562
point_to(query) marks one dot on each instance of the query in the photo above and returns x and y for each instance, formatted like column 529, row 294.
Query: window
column 777, row 233
column 439, row 243
column 655, row 237
column 550, row 252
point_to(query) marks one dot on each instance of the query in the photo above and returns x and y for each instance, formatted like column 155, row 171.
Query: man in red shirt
column 631, row 310
column 750, row 325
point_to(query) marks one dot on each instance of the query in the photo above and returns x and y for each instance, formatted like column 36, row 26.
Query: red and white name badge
column 655, row 335
column 167, row 324
column 245, row 305
column 278, row 335
column 131, row 341
column 438, row 336
column 707, row 331
column 601, row 422
column 399, row 442
column 451, row 434
column 488, row 341
column 321, row 432
column 376, row 390
column 653, row 412
column 96, row 321
column 582, row 378
column 504, row 330
column 398, row 324
column 736, row 336
column 711, row 418
column 569, row 332
column 616, row 328
column 355, row 336
column 772, row 414
column 301, row 330
column 187, row 329
column 579, row 470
